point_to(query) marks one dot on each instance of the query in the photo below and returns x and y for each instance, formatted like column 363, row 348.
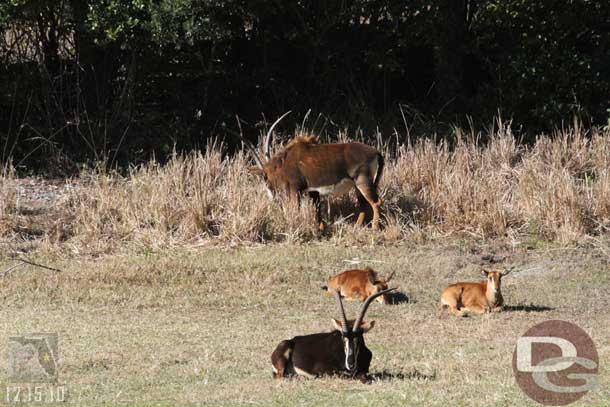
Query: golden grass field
column 178, row 281
column 187, row 327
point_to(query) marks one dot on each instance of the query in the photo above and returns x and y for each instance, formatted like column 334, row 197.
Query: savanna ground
column 177, row 282
column 198, row 326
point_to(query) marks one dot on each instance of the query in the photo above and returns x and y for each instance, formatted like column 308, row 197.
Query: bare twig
column 40, row 265
column 25, row 261
column 359, row 261
column 8, row 270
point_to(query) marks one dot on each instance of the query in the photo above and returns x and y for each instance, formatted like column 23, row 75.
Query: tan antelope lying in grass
column 480, row 297
column 359, row 284
column 303, row 165
column 341, row 351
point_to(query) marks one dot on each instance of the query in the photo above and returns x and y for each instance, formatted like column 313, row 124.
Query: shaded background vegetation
column 119, row 81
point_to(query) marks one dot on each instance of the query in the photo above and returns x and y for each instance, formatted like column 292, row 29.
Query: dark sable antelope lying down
column 341, row 351
column 304, row 166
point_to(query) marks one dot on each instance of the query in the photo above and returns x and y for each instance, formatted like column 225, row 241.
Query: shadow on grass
column 412, row 375
column 527, row 308
column 396, row 298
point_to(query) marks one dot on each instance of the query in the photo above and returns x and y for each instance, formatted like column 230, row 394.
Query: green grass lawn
column 198, row 326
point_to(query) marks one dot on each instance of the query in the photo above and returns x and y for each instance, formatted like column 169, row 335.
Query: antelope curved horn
column 508, row 270
column 268, row 137
column 257, row 159
column 249, row 146
column 365, row 306
column 344, row 318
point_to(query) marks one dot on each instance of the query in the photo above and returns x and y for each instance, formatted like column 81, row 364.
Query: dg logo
column 555, row 363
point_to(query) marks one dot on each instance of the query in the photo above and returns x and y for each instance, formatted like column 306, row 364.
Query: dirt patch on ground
column 37, row 194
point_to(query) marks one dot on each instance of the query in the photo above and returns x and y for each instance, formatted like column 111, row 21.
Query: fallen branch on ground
column 25, row 261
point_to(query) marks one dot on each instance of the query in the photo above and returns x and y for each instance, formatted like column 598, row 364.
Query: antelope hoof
column 365, row 379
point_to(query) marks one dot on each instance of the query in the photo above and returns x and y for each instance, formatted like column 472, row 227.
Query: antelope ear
column 485, row 272
column 255, row 170
column 372, row 276
column 367, row 326
column 337, row 325
column 387, row 280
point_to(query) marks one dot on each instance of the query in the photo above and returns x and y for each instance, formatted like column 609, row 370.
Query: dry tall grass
column 193, row 197
column 8, row 199
column 558, row 189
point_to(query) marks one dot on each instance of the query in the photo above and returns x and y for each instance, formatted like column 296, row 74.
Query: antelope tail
column 380, row 163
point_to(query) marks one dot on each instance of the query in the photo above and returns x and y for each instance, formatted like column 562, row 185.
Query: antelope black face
column 269, row 186
column 274, row 174
column 353, row 341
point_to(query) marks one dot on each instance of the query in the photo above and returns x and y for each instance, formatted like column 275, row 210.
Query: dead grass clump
column 563, row 185
column 466, row 188
column 599, row 181
column 193, row 197
column 8, row 200
column 553, row 203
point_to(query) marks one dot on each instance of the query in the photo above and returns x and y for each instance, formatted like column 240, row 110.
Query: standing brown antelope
column 480, row 297
column 303, row 165
column 341, row 351
column 359, row 284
